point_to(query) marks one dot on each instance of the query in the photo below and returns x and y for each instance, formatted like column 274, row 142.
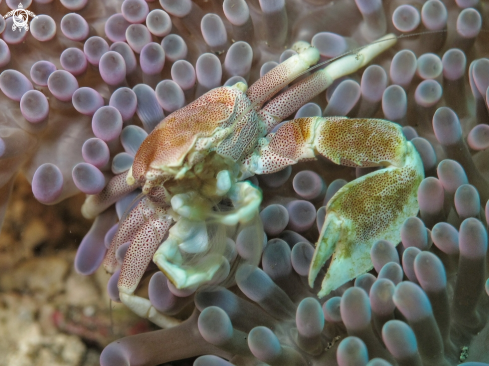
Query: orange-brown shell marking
column 168, row 144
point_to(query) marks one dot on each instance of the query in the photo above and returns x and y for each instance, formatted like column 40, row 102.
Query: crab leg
column 365, row 210
column 125, row 233
column 299, row 94
column 113, row 191
column 145, row 228
column 281, row 75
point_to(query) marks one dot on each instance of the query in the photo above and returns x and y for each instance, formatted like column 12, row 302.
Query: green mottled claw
column 330, row 235
column 364, row 211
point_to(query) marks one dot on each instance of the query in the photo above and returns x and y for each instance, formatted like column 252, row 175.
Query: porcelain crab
column 201, row 155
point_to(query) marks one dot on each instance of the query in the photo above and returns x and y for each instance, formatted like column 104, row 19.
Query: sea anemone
column 84, row 86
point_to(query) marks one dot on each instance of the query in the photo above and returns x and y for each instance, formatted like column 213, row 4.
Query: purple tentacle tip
column 107, row 123
column 135, row 11
column 87, row 100
column 74, row 60
column 94, row 48
column 406, row 18
column 14, row 84
column 47, row 183
column 275, row 218
column 96, row 152
column 113, row 68
column 92, row 249
column 302, row 215
column 74, row 27
column 115, row 28
column 412, row 301
column 88, row 178
column 114, row 355
column 40, row 72
column 352, row 351
column 43, row 28
column 34, row 106
column 308, row 184
column 112, row 289
column 382, row 253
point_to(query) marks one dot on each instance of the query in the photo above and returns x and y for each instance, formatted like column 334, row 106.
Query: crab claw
column 362, row 212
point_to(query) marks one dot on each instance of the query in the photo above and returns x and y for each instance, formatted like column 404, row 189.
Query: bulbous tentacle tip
column 211, row 360
column 114, row 355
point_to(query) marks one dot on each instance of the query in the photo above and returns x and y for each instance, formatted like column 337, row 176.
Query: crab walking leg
column 125, row 233
column 281, row 75
column 363, row 211
column 113, row 191
column 299, row 94
column 137, row 258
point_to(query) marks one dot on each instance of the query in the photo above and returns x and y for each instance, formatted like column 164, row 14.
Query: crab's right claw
column 350, row 257
column 330, row 234
column 362, row 212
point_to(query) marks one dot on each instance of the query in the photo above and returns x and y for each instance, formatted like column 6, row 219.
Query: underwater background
column 426, row 301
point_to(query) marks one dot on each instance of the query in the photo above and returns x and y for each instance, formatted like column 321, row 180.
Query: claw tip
column 241, row 86
column 87, row 209
column 130, row 179
column 311, row 280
